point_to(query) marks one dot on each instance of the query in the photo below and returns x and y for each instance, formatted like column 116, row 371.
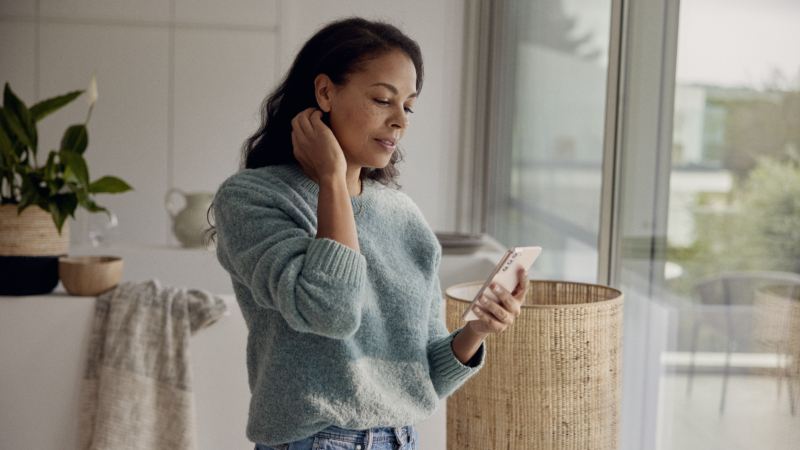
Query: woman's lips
column 389, row 146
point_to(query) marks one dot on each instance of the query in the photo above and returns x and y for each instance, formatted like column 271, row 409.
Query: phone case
column 505, row 274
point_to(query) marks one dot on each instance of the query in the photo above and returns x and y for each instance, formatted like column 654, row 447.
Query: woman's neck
column 354, row 185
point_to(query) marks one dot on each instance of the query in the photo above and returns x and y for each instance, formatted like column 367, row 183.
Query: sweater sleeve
column 315, row 284
column 446, row 371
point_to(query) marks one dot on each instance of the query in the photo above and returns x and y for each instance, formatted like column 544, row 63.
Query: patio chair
column 726, row 302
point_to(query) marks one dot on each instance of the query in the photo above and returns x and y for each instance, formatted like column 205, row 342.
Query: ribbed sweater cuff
column 336, row 260
column 444, row 362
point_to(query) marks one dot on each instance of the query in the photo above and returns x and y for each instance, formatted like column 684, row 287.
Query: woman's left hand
column 495, row 316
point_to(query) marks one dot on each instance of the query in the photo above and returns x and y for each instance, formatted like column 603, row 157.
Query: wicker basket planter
column 551, row 381
column 29, row 249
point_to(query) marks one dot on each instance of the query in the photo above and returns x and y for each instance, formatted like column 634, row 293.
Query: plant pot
column 30, row 246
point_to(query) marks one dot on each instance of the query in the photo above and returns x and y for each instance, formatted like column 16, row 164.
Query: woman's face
column 369, row 113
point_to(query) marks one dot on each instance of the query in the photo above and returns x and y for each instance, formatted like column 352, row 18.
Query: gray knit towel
column 136, row 391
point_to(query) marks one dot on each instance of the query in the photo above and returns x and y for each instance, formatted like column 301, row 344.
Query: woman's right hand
column 315, row 147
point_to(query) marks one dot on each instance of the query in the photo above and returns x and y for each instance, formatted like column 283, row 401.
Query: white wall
column 181, row 81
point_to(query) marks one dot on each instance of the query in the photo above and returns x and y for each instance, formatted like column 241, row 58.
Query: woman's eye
column 386, row 102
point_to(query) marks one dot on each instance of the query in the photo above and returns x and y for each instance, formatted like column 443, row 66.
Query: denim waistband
column 401, row 435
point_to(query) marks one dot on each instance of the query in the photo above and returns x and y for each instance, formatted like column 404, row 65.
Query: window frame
column 642, row 32
column 640, row 86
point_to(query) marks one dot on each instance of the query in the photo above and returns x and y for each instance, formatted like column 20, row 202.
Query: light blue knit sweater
column 336, row 337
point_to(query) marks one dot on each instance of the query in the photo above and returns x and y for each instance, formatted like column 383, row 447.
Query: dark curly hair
column 337, row 50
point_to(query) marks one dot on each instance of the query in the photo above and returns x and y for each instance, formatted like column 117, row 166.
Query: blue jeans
column 335, row 438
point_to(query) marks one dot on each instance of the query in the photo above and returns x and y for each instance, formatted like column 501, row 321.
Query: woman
column 336, row 272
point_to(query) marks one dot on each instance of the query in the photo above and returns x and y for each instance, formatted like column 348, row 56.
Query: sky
column 720, row 42
column 738, row 42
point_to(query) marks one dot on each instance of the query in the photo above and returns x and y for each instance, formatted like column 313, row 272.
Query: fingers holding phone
column 522, row 285
column 499, row 301
column 315, row 146
column 497, row 312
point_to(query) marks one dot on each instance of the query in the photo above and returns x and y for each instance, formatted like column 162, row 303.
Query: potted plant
column 36, row 198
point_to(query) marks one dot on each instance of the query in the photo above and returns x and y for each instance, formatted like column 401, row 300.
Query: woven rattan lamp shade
column 551, row 380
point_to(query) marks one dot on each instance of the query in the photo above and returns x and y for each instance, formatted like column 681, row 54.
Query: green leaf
column 75, row 138
column 94, row 207
column 61, row 206
column 75, row 170
column 90, row 205
column 29, row 197
column 55, row 186
column 5, row 140
column 42, row 109
column 19, row 148
column 50, row 174
column 51, row 166
column 67, row 202
column 109, row 184
column 7, row 155
column 30, row 192
column 20, row 117
column 58, row 217
column 13, row 125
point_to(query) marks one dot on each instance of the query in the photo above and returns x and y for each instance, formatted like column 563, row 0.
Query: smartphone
column 504, row 274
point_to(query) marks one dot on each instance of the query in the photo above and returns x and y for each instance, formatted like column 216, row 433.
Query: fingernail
column 484, row 300
column 477, row 310
column 496, row 288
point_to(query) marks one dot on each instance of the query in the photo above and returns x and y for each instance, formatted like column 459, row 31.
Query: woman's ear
column 324, row 90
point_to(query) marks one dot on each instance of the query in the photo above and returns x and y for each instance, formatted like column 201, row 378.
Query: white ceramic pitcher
column 190, row 223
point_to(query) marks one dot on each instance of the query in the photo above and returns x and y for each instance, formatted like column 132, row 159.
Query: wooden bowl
column 89, row 275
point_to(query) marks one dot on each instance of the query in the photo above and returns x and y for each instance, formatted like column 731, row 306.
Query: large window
column 731, row 361
column 545, row 189
column 681, row 187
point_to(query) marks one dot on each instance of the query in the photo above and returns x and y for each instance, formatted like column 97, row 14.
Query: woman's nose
column 398, row 119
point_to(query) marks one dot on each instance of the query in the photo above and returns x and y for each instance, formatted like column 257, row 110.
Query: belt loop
column 400, row 434
column 369, row 439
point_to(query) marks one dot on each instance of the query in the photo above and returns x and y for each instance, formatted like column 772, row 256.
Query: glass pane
column 726, row 290
column 546, row 177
